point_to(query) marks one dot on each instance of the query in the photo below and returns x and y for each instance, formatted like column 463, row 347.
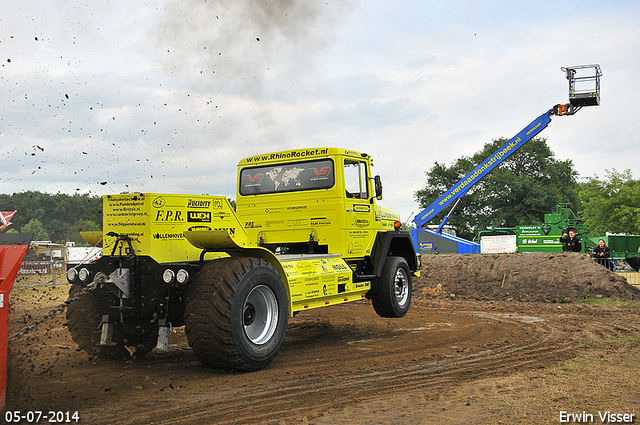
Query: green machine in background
column 622, row 246
column 544, row 237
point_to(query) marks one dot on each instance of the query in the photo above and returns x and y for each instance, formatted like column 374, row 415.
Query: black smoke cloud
column 251, row 47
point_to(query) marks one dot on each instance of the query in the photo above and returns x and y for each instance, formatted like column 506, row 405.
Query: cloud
column 170, row 96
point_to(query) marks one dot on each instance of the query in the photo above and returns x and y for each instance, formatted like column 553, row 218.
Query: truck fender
column 396, row 243
column 386, row 245
column 221, row 241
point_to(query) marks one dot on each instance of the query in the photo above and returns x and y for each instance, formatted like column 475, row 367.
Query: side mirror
column 377, row 182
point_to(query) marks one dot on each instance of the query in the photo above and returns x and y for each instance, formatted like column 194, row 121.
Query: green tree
column 612, row 204
column 59, row 214
column 35, row 226
column 519, row 191
column 81, row 226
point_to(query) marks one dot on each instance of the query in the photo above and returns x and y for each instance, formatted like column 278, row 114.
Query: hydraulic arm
column 584, row 90
column 459, row 189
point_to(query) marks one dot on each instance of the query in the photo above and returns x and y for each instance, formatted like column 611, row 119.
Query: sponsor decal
column 159, row 202
column 199, row 228
column 167, row 236
column 482, row 169
column 339, row 267
column 255, row 179
column 125, row 198
column 305, row 267
column 361, row 223
column 221, row 215
column 198, row 203
column 169, row 215
column 526, row 241
column 288, row 155
column 425, row 246
column 390, row 216
column 531, row 230
column 360, row 208
column 269, row 223
column 198, row 217
column 312, row 294
column 321, row 173
column 311, row 280
column 230, row 230
column 129, row 224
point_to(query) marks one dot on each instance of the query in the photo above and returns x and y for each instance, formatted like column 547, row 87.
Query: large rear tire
column 84, row 318
column 393, row 289
column 236, row 313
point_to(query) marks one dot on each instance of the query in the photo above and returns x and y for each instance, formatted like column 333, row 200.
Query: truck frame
column 306, row 232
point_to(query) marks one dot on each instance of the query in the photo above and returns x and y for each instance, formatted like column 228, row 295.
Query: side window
column 355, row 176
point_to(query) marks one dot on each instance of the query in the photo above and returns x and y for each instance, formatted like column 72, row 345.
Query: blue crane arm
column 459, row 189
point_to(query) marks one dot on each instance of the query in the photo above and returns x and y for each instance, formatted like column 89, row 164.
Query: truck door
column 359, row 210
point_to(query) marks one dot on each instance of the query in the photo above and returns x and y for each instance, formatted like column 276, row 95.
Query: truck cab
column 315, row 201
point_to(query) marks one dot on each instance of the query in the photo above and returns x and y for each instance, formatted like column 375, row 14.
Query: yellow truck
column 306, row 232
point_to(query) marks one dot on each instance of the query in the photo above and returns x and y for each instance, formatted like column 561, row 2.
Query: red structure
column 13, row 247
column 5, row 219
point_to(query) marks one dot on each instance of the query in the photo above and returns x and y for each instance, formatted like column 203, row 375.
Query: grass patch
column 600, row 380
column 608, row 301
column 616, row 343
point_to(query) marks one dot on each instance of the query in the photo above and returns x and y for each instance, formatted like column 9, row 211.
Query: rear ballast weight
column 307, row 232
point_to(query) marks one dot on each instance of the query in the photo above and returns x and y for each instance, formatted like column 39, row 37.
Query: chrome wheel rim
column 260, row 315
column 401, row 287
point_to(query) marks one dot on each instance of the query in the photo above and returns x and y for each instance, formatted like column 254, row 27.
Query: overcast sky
column 107, row 96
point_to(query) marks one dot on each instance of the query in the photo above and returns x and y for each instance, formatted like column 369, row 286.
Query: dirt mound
column 536, row 276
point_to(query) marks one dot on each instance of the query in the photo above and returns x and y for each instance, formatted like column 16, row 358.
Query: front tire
column 393, row 289
column 237, row 313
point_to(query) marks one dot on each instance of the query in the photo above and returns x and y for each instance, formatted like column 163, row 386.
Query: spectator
column 602, row 250
column 571, row 242
column 601, row 253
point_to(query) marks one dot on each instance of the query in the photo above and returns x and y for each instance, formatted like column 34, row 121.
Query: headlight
column 168, row 276
column 72, row 274
column 182, row 276
column 83, row 274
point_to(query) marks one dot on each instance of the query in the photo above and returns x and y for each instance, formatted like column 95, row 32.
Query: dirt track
column 444, row 362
